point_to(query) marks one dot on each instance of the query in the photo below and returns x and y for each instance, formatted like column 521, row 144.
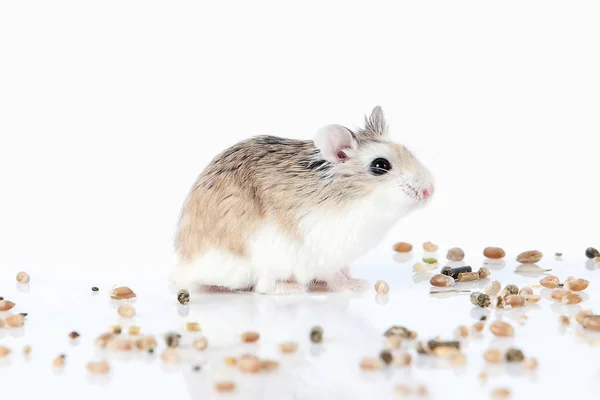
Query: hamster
column 276, row 215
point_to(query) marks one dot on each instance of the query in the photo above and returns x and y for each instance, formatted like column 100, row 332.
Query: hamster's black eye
column 380, row 166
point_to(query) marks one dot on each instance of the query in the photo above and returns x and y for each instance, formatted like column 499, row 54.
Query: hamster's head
column 372, row 163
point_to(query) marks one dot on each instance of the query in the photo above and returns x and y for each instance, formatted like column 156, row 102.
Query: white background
column 109, row 110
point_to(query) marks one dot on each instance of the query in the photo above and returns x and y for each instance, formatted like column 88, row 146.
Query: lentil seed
column 122, row 293
column 477, row 327
column 500, row 393
column 526, row 291
column 403, row 247
column 269, row 365
column 564, row 320
column 583, row 314
column 26, row 350
column 462, row 331
column 558, row 294
column 249, row 364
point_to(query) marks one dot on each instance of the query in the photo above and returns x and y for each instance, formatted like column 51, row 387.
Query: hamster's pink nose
column 427, row 192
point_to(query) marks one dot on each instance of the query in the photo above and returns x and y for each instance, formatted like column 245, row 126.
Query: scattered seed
column 502, row 329
column 115, row 329
column 499, row 302
column 591, row 252
column 572, row 298
column 558, row 254
column 23, row 277
column 462, row 331
column 26, row 350
column 59, row 361
column 532, row 298
column 501, row 393
column 468, row 276
column 98, row 367
column 454, row 272
column 122, row 293
column 404, row 360
column 104, row 339
column 423, row 267
column 526, row 291
column 393, row 342
column 402, row 390
column 269, row 365
column 183, row 297
column 172, row 339
column 370, row 364
column 230, row 361
column 564, row 320
column 146, row 343
column 480, row 299
column 430, row 247
column 386, row 357
column 484, row 273
column 200, row 344
column 494, row 252
column 95, row 289
column 558, row 294
column 430, row 260
column 403, row 247
column 531, row 363
column 170, row 355
column 6, row 305
column 583, row 314
column 445, row 352
column 120, row 344
column 382, row 287
column 74, row 335
column 192, row 326
column 422, row 391
column 477, row 327
column 429, row 346
column 134, row 330
column 126, row 310
column 250, row 337
column 515, row 300
column 483, row 318
column 514, row 355
column 577, row 285
column 249, row 364
column 224, row 386
column 440, row 280
column 591, row 322
column 4, row 351
column 493, row 356
column 288, row 347
column 530, row 257
column 455, row 254
column 492, row 288
column 397, row 331
column 550, row 282
column 15, row 321
column 512, row 289
column 316, row 334
column 483, row 376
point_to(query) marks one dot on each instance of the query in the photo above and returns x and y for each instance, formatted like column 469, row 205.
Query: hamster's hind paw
column 340, row 283
column 280, row 287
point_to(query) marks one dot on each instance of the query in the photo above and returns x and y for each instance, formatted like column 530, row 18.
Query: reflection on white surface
column 353, row 328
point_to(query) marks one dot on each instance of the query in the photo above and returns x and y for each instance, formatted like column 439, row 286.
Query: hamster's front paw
column 279, row 287
column 342, row 283
column 357, row 285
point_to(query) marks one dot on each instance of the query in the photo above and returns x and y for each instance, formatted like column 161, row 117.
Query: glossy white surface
column 353, row 326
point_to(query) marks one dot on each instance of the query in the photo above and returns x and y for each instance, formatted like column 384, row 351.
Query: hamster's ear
column 375, row 124
column 332, row 140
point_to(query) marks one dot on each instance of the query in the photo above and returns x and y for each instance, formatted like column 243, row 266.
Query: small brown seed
column 564, row 320
column 382, row 287
column 499, row 302
column 386, row 357
column 192, row 326
column 146, row 343
column 23, row 277
column 591, row 252
column 134, row 330
column 515, row 300
column 494, row 252
column 115, row 329
column 468, row 276
column 122, row 293
column 526, row 291
column 445, row 351
column 397, row 331
column 422, row 391
column 403, row 247
column 455, row 254
column 514, row 355
column 440, row 280
column 532, row 298
column 558, row 294
column 550, row 282
column 493, row 356
column 316, row 334
column 59, row 361
column 104, row 338
column 200, row 344
column 531, row 363
column 26, row 350
column 171, row 355
column 404, row 360
column 530, row 257
column 462, row 331
column 119, row 344
column 370, row 364
column 597, row 259
column 6, row 305
column 592, row 322
column 500, row 393
column 249, row 364
column 572, row 298
column 269, row 365
column 183, row 297
column 402, row 390
column 73, row 335
column 225, row 386
column 250, row 337
column 512, row 289
column 288, row 347
column 577, row 285
column 492, row 288
column 582, row 314
column 98, row 367
column 430, row 247
column 477, row 327
column 126, row 310
column 172, row 339
column 484, row 273
column 4, row 351
column 480, row 299
column 15, row 321
column 502, row 329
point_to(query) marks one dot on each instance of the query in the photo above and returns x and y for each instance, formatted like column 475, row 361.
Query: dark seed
column 172, row 339
column 95, row 289
column 512, row 289
column 483, row 318
column 23, row 314
column 196, row 368
column 150, row 350
column 73, row 335
column 316, row 334
column 386, row 357
column 591, row 252
column 453, row 272
column 480, row 299
column 183, row 297
column 397, row 331
column 514, row 355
